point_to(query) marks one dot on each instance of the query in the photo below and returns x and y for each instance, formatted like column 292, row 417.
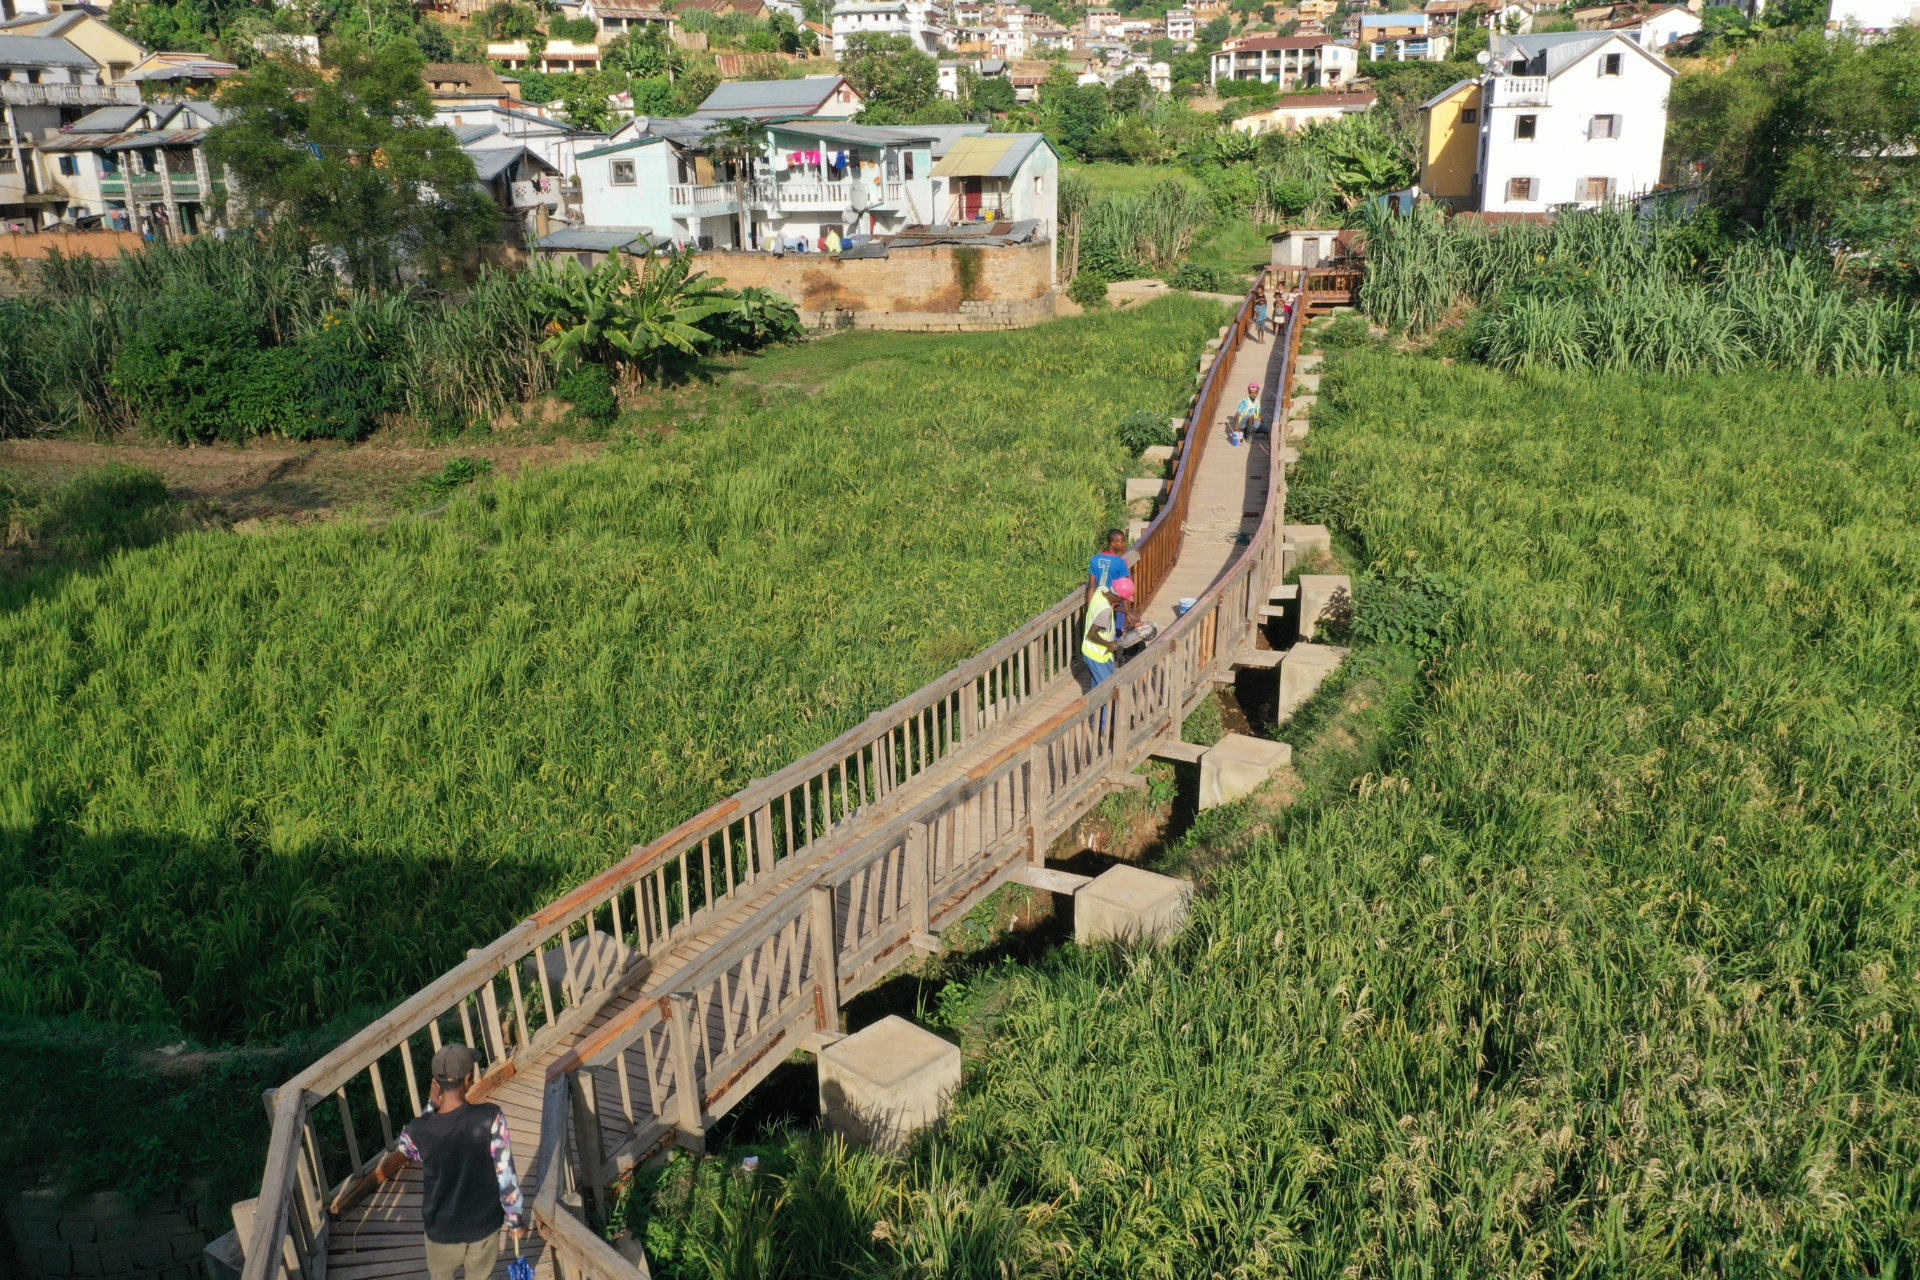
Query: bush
column 1411, row 608
column 1088, row 290
column 1192, row 275
column 590, row 391
column 1349, row 330
column 1143, row 428
column 183, row 360
column 349, row 383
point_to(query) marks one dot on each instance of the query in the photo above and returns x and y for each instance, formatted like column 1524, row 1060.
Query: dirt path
column 299, row 482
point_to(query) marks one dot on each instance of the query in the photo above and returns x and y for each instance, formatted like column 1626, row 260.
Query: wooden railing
column 837, row 907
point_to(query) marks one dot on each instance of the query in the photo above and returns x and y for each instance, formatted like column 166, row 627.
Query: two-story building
column 920, row 21
column 562, row 56
column 829, row 95
column 138, row 166
column 1566, row 118
column 45, row 82
column 1180, row 24
column 113, row 52
column 612, row 19
column 1402, row 37
column 1291, row 62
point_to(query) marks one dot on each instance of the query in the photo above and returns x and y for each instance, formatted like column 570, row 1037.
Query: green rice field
column 1604, row 961
column 249, row 784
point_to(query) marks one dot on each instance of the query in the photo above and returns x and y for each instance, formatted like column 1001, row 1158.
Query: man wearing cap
column 1101, row 638
column 470, row 1184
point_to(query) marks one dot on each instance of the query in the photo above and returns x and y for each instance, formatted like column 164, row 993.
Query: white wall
column 1872, row 15
column 643, row 204
column 1561, row 155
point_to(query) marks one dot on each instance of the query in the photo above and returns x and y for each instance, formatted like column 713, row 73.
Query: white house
column 489, row 125
column 1575, row 117
column 1661, row 27
column 1287, row 61
column 1872, row 17
column 1180, row 24
column 558, row 56
column 1297, row 111
column 999, row 177
column 918, row 20
column 612, row 19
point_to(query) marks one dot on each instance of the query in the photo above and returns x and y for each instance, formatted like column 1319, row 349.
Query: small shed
column 1307, row 248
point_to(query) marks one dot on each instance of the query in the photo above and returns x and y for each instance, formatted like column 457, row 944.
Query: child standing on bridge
column 470, row 1187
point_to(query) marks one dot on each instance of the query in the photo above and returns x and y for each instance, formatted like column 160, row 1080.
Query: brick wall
column 21, row 255
column 103, row 1236
column 940, row 287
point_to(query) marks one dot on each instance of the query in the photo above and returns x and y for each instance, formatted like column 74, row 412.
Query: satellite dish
column 1483, row 57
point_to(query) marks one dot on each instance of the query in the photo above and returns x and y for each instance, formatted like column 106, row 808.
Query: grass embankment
column 254, row 783
column 1608, row 968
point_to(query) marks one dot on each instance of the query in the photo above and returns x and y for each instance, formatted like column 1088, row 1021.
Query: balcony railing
column 1519, row 91
column 819, row 195
column 15, row 94
column 693, row 196
column 989, row 207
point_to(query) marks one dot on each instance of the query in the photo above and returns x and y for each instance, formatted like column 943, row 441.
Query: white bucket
column 1184, row 607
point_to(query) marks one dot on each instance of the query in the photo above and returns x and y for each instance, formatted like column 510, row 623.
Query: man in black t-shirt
column 470, row 1184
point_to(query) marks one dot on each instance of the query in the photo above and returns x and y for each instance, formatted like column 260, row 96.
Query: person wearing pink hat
column 1100, row 640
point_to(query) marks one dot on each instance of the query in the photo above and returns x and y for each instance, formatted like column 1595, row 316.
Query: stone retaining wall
column 103, row 1236
column 940, row 287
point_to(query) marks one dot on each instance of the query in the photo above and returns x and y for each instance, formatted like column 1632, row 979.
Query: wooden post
column 590, row 1148
column 920, row 878
column 1037, row 783
column 826, row 958
column 692, row 1125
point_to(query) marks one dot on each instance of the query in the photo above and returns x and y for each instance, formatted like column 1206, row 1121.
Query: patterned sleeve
column 502, row 1148
column 406, row 1147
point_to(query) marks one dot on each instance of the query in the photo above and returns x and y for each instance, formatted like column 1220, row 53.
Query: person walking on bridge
column 1108, row 567
column 470, row 1186
column 1100, row 640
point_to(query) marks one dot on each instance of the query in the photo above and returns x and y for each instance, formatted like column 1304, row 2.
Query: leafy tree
column 652, row 96
column 736, row 143
column 1073, row 117
column 694, row 86
column 579, row 30
column 1132, row 93
column 508, row 21
column 889, row 72
column 646, row 53
column 993, row 97
column 584, row 97
column 346, row 151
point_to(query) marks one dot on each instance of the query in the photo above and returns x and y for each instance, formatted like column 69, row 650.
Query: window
column 623, row 173
column 1610, row 64
column 1524, row 127
column 109, row 165
column 1470, row 116
column 1039, row 184
column 69, row 166
column 1595, row 190
column 1519, row 188
column 613, row 24
column 1603, row 127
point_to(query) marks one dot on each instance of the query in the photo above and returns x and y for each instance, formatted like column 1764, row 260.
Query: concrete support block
column 1309, row 540
column 1302, row 406
column 1307, row 362
column 883, row 1084
column 1136, row 530
column 1161, row 453
column 1126, row 904
column 1302, row 671
column 1308, row 382
column 1237, row 764
column 1318, row 592
column 1146, row 489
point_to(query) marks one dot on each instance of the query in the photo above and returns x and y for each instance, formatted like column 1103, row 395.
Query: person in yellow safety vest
column 1100, row 642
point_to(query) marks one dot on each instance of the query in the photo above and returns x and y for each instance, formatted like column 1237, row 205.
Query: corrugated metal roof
column 469, row 133
column 134, row 141
column 597, row 239
column 491, row 163
column 41, row 51
column 772, row 97
column 858, row 135
column 108, row 120
column 988, row 234
column 992, row 155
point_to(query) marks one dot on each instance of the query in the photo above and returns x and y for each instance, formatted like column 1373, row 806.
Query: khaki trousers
column 478, row 1258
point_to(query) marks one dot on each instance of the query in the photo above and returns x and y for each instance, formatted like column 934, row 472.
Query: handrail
column 545, row 978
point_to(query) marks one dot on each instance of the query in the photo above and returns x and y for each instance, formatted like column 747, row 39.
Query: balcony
column 815, row 195
column 15, row 94
column 988, row 206
column 1519, row 91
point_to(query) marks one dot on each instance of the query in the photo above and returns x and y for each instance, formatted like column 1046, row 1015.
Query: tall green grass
column 1605, row 289
column 247, row 783
column 1615, row 974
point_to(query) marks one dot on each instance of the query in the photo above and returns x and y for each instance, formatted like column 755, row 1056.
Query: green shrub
column 1349, row 330
column 590, row 391
column 1088, row 290
column 458, row 472
column 349, row 381
column 268, row 395
column 1410, row 608
column 1143, row 428
column 181, row 363
column 1333, row 500
column 1205, row 279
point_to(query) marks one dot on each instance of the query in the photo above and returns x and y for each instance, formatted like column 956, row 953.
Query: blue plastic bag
column 520, row 1268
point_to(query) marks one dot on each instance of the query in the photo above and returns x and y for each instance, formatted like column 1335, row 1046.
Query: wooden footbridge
column 629, row 1014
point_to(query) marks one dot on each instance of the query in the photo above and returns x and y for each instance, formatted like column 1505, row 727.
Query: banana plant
column 637, row 320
